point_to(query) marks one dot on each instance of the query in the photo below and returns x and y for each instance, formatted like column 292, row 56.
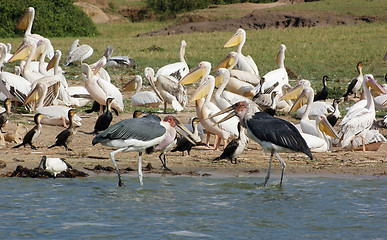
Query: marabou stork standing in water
column 273, row 134
column 133, row 135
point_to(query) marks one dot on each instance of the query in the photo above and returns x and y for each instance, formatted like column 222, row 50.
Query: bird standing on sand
column 32, row 134
column 105, row 118
column 66, row 136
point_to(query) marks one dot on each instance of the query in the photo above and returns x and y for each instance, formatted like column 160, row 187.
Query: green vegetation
column 344, row 7
column 311, row 52
column 57, row 18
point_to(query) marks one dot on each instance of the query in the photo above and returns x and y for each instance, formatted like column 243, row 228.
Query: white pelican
column 240, row 82
column 118, row 61
column 169, row 89
column 144, row 98
column 100, row 89
column 54, row 165
column 224, row 99
column 27, row 50
column 204, row 108
column 354, row 123
column 25, row 23
column 320, row 142
column 78, row 53
column 245, row 63
column 356, row 83
column 316, row 109
column 178, row 69
column 98, row 69
column 14, row 87
column 273, row 134
column 277, row 77
column 225, row 131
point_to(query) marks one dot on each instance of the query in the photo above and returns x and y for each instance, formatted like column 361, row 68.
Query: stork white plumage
column 273, row 134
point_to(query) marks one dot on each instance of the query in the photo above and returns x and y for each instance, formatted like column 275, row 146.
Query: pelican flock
column 203, row 94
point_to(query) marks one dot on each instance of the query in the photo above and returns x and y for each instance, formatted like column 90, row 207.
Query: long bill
column 193, row 76
column 301, row 101
column 293, row 93
column 326, row 127
column 185, row 133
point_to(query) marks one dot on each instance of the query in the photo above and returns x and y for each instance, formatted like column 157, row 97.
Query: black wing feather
column 278, row 131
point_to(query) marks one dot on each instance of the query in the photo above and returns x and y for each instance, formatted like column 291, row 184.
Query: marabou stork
column 273, row 134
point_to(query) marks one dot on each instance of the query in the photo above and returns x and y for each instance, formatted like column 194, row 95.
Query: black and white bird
column 235, row 148
column 356, row 83
column 334, row 117
column 273, row 134
column 32, row 134
column 67, row 135
column 105, row 118
column 54, row 165
column 323, row 94
column 133, row 135
column 183, row 144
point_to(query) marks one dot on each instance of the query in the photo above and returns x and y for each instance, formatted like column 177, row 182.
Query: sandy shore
column 252, row 162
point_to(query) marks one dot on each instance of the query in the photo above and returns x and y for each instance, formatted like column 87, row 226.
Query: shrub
column 56, row 18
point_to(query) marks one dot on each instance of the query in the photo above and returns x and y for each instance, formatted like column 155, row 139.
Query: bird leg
column 217, row 143
column 363, row 142
column 164, row 162
column 283, row 165
column 64, row 122
column 140, row 175
column 208, row 136
column 268, row 172
column 165, row 107
column 120, row 182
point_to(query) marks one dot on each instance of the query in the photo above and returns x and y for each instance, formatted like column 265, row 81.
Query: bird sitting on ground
column 66, row 136
column 32, row 134
column 4, row 116
column 54, row 165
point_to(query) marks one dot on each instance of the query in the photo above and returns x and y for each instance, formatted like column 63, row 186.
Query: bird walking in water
column 54, row 165
column 66, row 136
column 273, row 134
column 32, row 134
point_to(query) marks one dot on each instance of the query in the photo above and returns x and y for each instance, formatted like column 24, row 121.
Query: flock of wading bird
column 236, row 88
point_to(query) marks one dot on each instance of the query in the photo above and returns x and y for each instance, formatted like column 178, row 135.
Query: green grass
column 343, row 7
column 311, row 52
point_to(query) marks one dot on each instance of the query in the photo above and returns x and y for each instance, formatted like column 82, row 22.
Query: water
column 193, row 207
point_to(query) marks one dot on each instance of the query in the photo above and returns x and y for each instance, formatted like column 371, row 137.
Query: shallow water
column 193, row 207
